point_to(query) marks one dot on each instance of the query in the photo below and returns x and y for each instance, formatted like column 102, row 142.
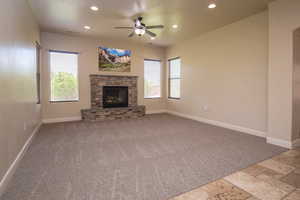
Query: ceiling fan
column 140, row 29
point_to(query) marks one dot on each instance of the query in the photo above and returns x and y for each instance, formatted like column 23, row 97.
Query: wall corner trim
column 63, row 119
column 221, row 124
column 296, row 143
column 280, row 142
column 11, row 170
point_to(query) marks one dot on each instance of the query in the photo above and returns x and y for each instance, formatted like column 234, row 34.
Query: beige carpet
column 152, row 158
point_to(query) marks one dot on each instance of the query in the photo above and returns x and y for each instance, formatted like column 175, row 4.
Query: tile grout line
column 239, row 188
column 288, row 184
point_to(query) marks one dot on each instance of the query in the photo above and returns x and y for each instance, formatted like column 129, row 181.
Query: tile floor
column 275, row 179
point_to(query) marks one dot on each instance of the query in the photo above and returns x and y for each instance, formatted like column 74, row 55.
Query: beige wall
column 88, row 61
column 225, row 71
column 296, row 91
column 283, row 20
column 18, row 106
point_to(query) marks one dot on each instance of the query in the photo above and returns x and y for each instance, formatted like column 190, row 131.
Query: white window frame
column 160, row 90
column 50, row 89
column 169, row 78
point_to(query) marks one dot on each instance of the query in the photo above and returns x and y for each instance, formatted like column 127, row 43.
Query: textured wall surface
column 19, row 113
column 224, row 74
column 283, row 21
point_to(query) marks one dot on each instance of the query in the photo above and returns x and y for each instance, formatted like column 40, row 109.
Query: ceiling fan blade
column 156, row 26
column 151, row 33
column 131, row 34
column 123, row 27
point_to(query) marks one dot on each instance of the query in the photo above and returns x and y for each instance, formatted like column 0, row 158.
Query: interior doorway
column 296, row 86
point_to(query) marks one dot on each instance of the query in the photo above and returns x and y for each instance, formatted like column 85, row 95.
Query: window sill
column 152, row 97
column 173, row 98
column 70, row 101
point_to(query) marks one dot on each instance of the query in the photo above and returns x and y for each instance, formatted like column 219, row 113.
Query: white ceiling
column 192, row 16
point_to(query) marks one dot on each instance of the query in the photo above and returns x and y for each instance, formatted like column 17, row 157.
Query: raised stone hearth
column 98, row 113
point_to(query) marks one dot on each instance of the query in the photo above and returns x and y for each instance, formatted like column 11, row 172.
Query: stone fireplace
column 113, row 97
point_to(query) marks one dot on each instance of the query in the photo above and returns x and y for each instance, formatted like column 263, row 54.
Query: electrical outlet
column 205, row 108
column 25, row 126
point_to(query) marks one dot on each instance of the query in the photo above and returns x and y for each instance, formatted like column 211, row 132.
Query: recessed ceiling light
column 152, row 38
column 174, row 26
column 212, row 5
column 94, row 8
column 87, row 27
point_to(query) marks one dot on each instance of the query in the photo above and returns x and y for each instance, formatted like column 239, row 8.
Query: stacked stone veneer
column 98, row 81
column 100, row 114
column 97, row 112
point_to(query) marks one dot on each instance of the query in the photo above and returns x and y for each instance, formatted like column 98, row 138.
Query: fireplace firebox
column 115, row 96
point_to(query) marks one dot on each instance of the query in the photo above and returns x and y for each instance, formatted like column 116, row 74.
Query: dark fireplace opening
column 115, row 96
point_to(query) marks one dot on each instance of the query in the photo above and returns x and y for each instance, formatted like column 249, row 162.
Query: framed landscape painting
column 114, row 60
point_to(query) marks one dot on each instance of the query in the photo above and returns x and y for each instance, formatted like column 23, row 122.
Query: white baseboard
column 296, row 143
column 284, row 143
column 280, row 142
column 11, row 170
column 155, row 111
column 63, row 119
column 221, row 124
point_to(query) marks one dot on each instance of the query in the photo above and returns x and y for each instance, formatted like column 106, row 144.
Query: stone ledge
column 101, row 114
column 120, row 76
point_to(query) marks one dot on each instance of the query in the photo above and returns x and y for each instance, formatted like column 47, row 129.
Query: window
column 64, row 80
column 174, row 78
column 152, row 70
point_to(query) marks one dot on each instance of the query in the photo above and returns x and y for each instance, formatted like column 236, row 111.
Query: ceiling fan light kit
column 139, row 31
column 212, row 4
